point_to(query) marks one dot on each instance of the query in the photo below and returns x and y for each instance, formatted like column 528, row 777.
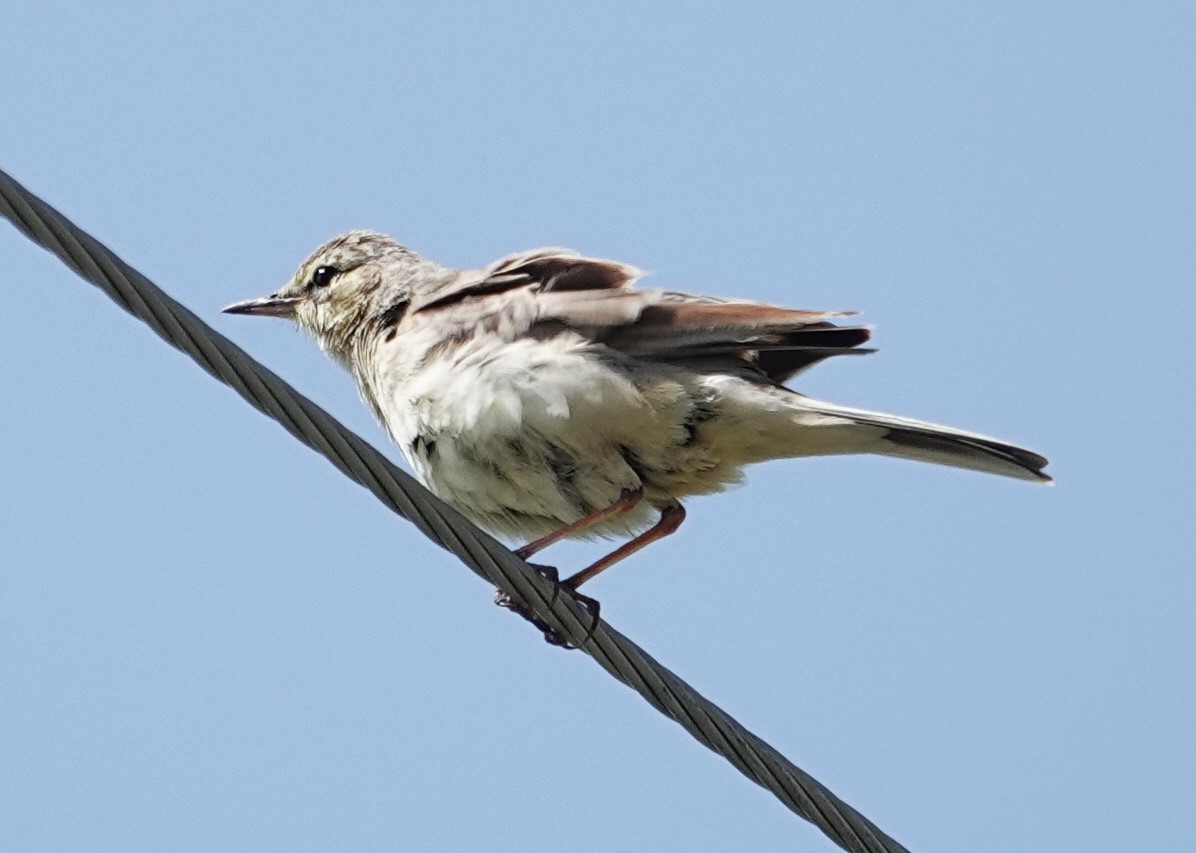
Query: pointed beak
column 266, row 306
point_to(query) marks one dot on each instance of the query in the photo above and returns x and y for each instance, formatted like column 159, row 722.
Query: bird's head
column 343, row 290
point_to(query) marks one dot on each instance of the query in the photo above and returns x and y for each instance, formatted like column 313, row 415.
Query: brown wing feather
column 779, row 342
column 596, row 297
column 540, row 270
column 673, row 323
column 563, row 269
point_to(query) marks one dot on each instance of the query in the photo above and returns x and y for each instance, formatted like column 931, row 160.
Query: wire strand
column 360, row 462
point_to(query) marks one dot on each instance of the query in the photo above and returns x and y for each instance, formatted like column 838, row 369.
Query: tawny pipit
column 544, row 396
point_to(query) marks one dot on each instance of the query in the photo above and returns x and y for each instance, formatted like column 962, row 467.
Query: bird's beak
column 266, row 306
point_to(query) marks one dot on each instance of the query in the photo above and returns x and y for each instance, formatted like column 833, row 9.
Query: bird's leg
column 628, row 498
column 671, row 517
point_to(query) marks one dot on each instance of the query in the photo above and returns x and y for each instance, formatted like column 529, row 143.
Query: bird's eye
column 323, row 276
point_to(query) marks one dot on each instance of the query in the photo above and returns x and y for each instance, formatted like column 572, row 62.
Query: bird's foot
column 551, row 635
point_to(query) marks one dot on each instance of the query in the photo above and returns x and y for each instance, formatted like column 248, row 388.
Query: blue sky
column 209, row 639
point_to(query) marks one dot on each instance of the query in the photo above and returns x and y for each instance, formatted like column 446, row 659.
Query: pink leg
column 670, row 519
column 628, row 499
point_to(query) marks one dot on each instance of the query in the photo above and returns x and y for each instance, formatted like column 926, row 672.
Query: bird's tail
column 848, row 430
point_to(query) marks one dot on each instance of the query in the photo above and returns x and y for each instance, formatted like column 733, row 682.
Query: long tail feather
column 927, row 442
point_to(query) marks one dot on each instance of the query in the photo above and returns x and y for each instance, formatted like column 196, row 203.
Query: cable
column 360, row 462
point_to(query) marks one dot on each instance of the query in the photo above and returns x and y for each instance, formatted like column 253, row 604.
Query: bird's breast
column 526, row 435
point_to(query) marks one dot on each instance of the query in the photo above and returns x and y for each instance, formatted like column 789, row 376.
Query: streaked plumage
column 535, row 392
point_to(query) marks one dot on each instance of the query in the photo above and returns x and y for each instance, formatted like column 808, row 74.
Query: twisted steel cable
column 359, row 461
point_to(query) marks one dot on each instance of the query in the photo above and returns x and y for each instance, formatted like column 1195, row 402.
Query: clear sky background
column 210, row 640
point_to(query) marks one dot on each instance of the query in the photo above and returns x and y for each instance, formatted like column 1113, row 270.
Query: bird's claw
column 590, row 604
column 551, row 635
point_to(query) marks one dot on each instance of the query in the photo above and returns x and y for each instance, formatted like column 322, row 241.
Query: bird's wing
column 539, row 270
column 779, row 342
column 545, row 289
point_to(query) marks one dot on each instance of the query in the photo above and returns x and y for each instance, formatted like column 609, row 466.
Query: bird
column 546, row 396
